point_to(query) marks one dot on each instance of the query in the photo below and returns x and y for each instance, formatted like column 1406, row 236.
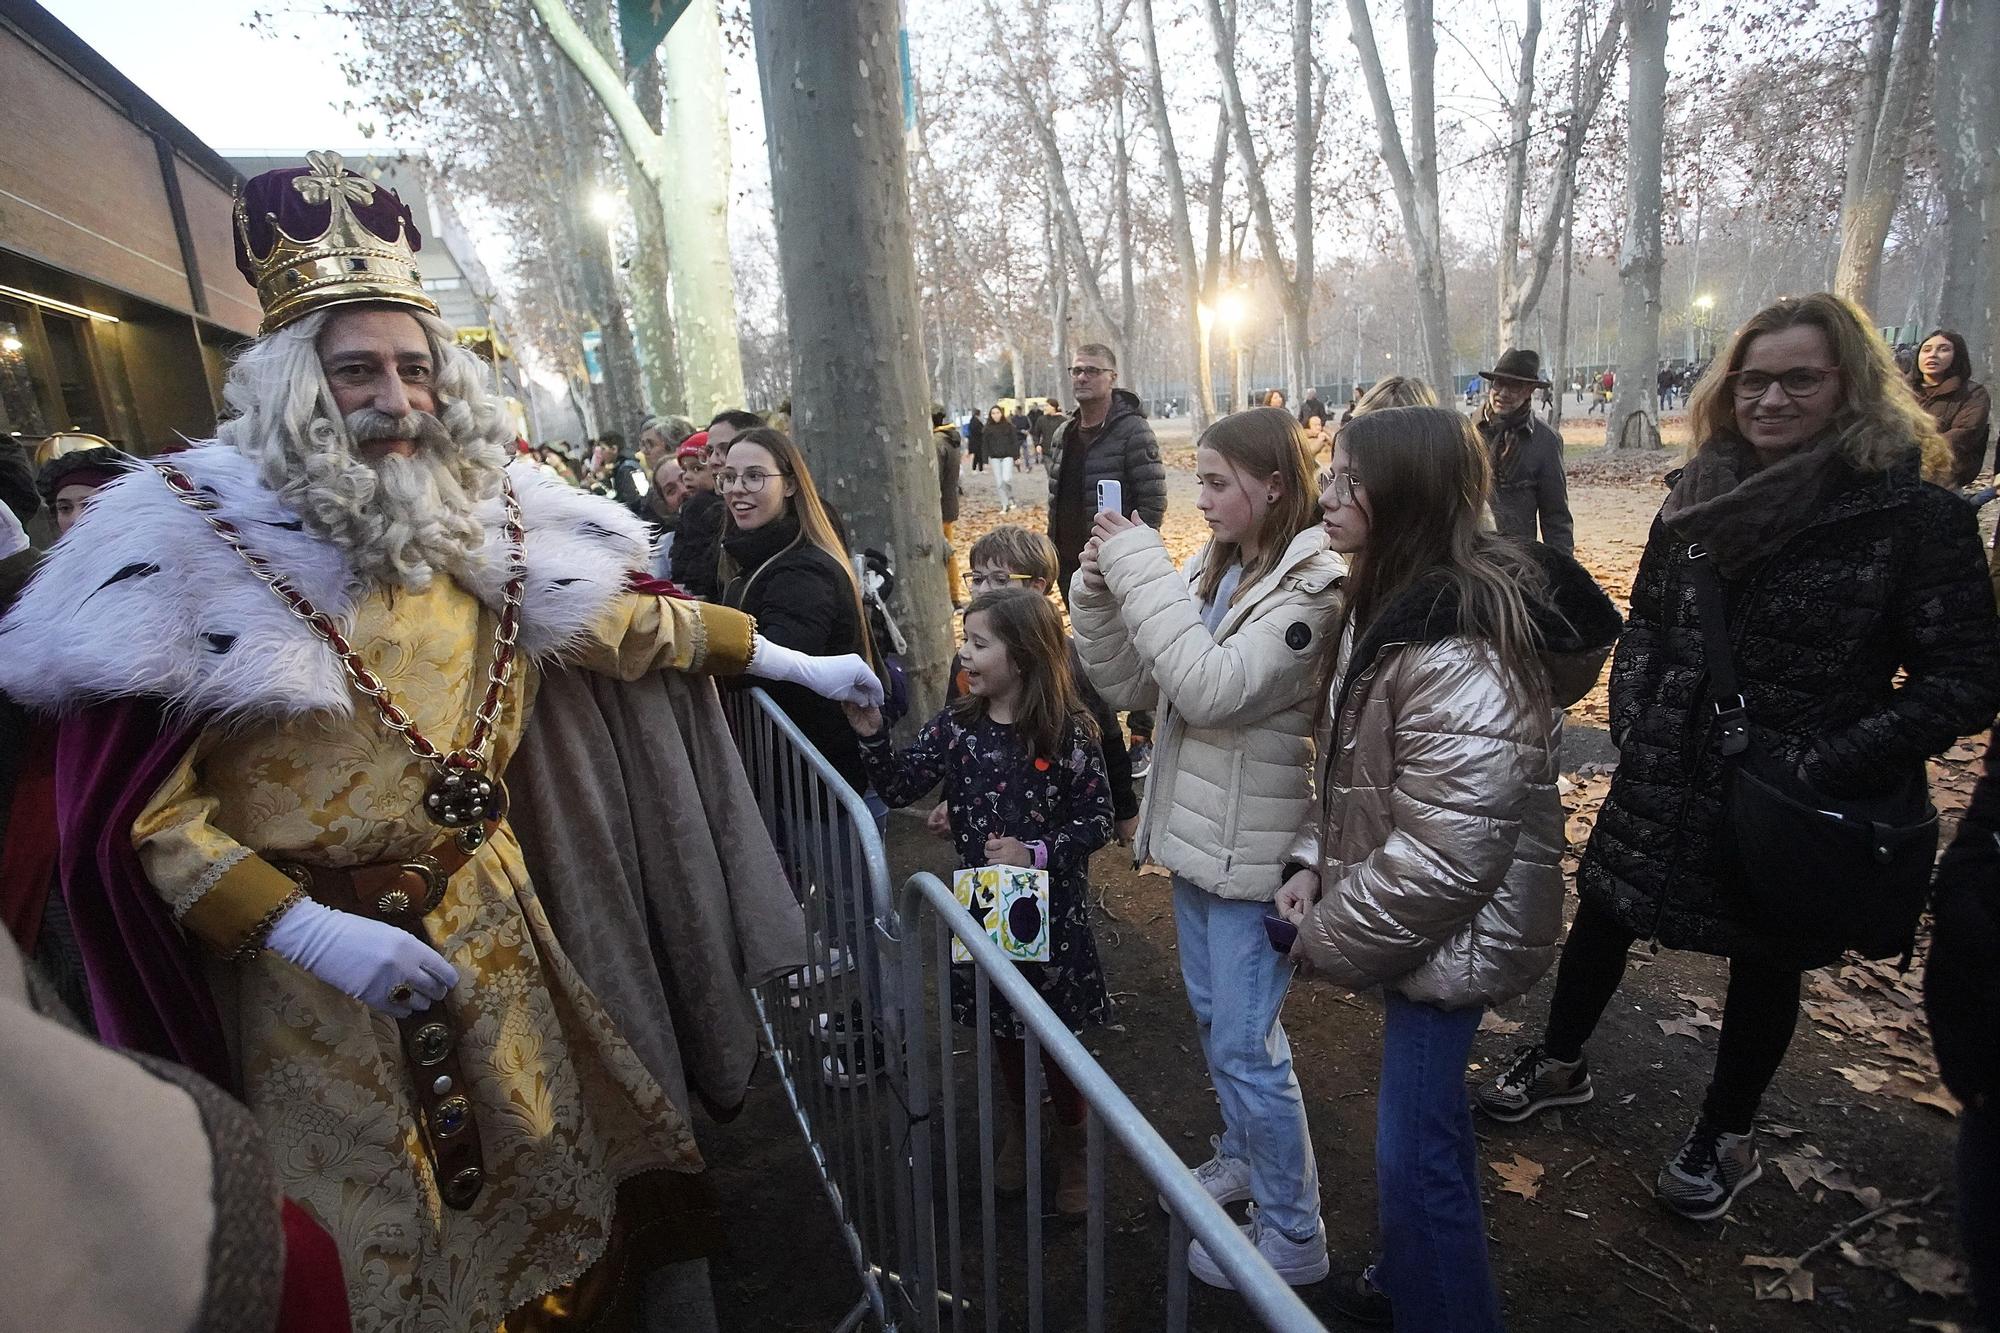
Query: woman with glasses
column 1863, row 634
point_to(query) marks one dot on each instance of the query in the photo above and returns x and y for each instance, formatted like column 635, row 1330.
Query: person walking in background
column 1432, row 863
column 1227, row 649
column 1863, row 632
column 1601, row 402
column 974, row 432
column 1942, row 380
column 1530, row 493
column 999, row 443
column 950, row 451
column 1017, row 754
column 1045, row 429
column 1108, row 439
column 1031, row 444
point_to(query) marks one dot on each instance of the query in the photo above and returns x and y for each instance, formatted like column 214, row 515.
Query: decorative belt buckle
column 395, row 902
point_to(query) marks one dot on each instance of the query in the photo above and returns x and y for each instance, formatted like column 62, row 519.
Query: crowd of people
column 341, row 739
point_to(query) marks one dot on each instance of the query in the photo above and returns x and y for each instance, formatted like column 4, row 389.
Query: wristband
column 1041, row 853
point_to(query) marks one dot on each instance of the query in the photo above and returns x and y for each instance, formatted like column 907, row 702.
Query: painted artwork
column 1012, row 903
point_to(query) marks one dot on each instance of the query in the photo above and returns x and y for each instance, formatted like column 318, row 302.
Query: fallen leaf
column 1680, row 1027
column 1795, row 1285
column 1777, row 1131
column 1929, row 1273
column 1698, row 1001
column 1493, row 1022
column 1863, row 1080
column 1522, row 1176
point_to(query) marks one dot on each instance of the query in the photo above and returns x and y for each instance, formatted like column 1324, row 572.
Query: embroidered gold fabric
column 565, row 1108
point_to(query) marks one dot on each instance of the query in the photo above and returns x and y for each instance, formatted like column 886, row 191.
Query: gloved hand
column 363, row 958
column 846, row 679
column 13, row 537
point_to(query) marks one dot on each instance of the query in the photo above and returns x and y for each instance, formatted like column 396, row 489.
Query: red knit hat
column 694, row 446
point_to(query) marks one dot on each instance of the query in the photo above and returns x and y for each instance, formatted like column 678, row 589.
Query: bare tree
column 1634, row 408
column 1899, row 61
column 688, row 170
column 1198, row 369
column 860, row 406
column 1520, row 291
column 1968, row 131
column 1413, row 173
column 1294, row 283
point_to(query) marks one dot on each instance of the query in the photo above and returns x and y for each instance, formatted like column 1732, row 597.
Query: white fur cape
column 143, row 598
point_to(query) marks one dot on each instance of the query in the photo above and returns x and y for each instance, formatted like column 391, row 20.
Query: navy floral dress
column 997, row 790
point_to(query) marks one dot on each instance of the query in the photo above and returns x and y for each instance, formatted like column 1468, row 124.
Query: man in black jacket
column 1109, row 439
column 1527, row 455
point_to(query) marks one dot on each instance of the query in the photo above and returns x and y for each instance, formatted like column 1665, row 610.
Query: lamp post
column 1704, row 317
column 1230, row 308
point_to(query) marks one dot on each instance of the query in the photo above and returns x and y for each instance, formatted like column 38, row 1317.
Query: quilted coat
column 1439, row 832
column 1887, row 577
column 1232, row 744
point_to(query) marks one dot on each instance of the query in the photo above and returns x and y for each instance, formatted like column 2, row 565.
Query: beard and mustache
column 398, row 520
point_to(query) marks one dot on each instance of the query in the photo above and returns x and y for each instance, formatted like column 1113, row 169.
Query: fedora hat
column 1517, row 364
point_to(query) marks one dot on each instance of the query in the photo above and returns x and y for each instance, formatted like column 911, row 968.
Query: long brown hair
column 1029, row 629
column 1396, row 391
column 1258, row 443
column 1879, row 419
column 1426, row 479
column 815, row 524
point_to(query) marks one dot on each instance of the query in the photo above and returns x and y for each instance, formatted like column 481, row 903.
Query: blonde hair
column 1258, row 443
column 1879, row 420
column 1020, row 551
column 1396, row 391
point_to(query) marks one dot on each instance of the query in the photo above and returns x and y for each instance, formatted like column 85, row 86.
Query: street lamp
column 1704, row 306
column 1231, row 309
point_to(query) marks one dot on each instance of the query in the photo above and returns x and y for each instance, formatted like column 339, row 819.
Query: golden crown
column 365, row 251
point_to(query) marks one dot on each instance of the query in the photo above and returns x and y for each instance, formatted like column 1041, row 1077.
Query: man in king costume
column 325, row 629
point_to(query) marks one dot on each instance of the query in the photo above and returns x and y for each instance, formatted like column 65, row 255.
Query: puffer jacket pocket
column 1235, row 803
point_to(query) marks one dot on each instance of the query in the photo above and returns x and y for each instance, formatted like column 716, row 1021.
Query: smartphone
column 1111, row 497
column 1282, row 933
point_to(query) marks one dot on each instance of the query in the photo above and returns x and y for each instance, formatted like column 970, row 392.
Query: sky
column 238, row 92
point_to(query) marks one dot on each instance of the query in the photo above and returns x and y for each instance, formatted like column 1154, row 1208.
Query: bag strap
column 1711, row 609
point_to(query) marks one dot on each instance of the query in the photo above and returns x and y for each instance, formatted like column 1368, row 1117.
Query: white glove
column 13, row 537
column 363, row 958
column 846, row 679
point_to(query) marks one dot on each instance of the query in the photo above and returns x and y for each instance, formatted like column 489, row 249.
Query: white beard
column 417, row 521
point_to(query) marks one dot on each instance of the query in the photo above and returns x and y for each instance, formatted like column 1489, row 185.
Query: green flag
column 643, row 25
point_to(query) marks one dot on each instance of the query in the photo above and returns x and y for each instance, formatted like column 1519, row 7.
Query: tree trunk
column 1968, row 129
column 688, row 169
column 1413, row 174
column 833, row 117
column 1305, row 137
column 1633, row 423
column 651, row 272
column 1517, row 173
column 1179, row 226
column 1867, row 210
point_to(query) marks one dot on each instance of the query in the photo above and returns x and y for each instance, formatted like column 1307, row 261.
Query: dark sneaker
column 1532, row 1081
column 1141, row 752
column 1354, row 1296
column 840, row 1028
column 1701, row 1180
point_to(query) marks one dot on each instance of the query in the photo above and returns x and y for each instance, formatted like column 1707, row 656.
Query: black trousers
column 1758, row 1014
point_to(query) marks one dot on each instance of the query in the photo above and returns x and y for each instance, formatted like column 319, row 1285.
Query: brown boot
column 1010, row 1161
column 1072, row 1150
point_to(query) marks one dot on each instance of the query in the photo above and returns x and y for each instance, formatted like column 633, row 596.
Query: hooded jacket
column 1232, row 746
column 1439, row 833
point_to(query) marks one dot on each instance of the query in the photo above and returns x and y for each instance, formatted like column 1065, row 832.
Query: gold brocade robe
column 564, row 1109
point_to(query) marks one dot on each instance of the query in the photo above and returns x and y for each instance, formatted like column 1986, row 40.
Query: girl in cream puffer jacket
column 1228, row 652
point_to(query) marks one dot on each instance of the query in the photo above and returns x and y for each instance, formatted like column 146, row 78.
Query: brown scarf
column 1740, row 511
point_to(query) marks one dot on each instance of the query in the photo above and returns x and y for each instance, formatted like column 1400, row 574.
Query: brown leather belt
column 402, row 893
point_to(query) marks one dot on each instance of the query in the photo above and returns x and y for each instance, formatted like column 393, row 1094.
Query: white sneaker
column 1227, row 1179
column 1299, row 1262
column 837, row 962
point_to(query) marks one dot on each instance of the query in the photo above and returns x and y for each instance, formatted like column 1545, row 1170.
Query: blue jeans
column 1236, row 984
column 1433, row 1267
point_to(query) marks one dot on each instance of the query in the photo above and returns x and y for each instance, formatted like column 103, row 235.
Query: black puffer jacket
column 1887, row 575
column 698, row 545
column 1961, row 986
column 1125, row 452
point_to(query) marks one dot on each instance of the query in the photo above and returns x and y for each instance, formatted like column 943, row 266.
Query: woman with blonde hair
column 1226, row 648
column 1852, row 599
column 1396, row 391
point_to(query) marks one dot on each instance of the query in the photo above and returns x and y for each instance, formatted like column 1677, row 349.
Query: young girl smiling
column 1018, row 757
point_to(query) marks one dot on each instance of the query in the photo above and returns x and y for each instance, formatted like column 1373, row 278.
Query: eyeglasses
column 1343, row 486
column 750, row 479
column 1798, row 382
column 995, row 582
column 1088, row 372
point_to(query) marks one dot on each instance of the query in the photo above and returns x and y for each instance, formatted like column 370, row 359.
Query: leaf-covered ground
column 1850, row 1228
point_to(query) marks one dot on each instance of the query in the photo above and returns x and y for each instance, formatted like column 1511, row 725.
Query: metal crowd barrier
column 888, row 1145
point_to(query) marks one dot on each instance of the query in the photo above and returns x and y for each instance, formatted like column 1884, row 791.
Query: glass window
column 20, row 405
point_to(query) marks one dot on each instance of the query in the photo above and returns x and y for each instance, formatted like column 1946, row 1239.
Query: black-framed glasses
column 995, row 582
column 1798, row 382
column 751, row 479
column 1343, row 485
column 1088, row 372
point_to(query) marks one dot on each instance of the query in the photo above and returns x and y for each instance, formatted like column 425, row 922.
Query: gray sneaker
column 1701, row 1180
column 1532, row 1081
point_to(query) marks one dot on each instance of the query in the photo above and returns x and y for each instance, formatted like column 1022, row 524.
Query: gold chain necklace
column 460, row 796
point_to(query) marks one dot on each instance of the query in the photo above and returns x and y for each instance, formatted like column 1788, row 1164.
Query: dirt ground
column 1855, row 1124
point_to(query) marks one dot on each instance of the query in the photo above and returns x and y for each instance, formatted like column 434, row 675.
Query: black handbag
column 1853, row 873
